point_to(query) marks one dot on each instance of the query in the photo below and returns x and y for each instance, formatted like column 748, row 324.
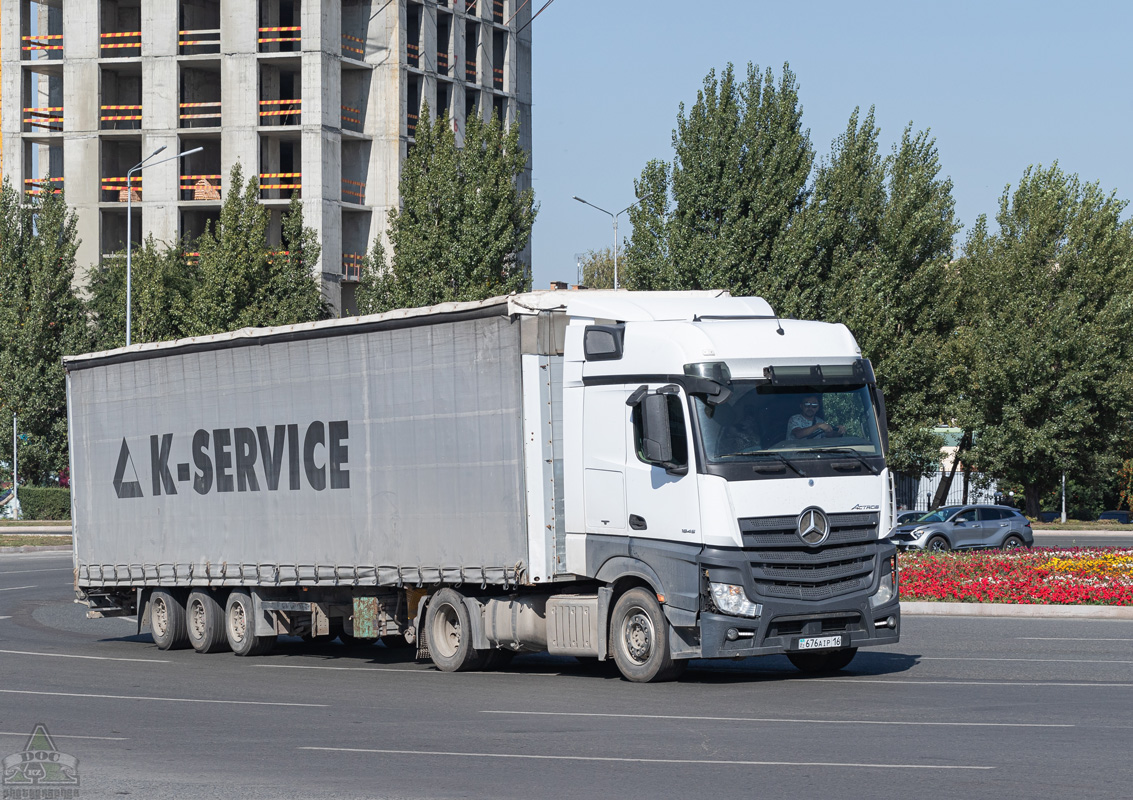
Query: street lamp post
column 130, row 217
column 614, row 217
column 15, row 467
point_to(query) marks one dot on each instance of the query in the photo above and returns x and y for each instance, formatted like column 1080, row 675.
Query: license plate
column 818, row 642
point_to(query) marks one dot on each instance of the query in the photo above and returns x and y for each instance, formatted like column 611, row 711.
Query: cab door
column 662, row 502
column 966, row 530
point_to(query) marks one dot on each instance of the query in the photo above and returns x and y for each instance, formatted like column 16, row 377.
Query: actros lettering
column 242, row 460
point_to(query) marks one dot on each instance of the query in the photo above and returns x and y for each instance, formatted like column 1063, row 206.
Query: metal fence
column 915, row 494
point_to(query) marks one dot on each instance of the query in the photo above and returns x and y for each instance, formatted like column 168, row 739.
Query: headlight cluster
column 887, row 589
column 732, row 599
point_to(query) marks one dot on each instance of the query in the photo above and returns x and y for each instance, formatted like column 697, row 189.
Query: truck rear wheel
column 822, row 663
column 240, row 626
column 639, row 639
column 205, row 622
column 167, row 620
column 449, row 633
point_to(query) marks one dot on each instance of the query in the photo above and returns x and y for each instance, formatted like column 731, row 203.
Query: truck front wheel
column 639, row 639
column 449, row 633
column 167, row 620
column 205, row 622
column 240, row 626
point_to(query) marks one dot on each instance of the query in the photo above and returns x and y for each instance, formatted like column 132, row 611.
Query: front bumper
column 781, row 625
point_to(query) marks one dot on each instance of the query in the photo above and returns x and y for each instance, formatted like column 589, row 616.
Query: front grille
column 820, row 623
column 783, row 566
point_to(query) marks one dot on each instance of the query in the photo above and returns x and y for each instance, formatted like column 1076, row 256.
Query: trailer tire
column 639, row 639
column 449, row 633
column 240, row 626
column 204, row 622
column 167, row 620
column 823, row 663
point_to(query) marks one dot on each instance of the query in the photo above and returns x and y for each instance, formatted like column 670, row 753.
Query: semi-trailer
column 647, row 477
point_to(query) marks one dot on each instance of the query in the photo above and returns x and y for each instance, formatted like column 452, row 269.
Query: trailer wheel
column 639, row 639
column 822, row 663
column 167, row 620
column 205, row 622
column 449, row 631
column 240, row 626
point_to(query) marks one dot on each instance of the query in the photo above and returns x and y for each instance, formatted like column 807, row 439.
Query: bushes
column 37, row 503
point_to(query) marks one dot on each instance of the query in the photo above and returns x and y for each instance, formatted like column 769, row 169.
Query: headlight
column 887, row 589
column 919, row 532
column 732, row 599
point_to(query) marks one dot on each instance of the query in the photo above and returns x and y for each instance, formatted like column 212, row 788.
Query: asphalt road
column 1083, row 539
column 960, row 708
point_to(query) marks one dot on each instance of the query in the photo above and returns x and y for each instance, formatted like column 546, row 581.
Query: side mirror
column 656, row 439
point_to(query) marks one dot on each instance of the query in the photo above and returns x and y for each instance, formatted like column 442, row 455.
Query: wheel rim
column 197, row 619
column 237, row 622
column 445, row 633
column 938, row 546
column 638, row 635
column 1013, row 543
column 159, row 617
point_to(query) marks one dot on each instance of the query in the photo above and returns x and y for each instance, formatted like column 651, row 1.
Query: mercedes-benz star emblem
column 813, row 527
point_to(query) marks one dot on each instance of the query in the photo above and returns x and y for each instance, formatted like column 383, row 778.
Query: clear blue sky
column 1002, row 85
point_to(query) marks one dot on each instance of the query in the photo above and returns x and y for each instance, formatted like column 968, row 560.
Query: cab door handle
column 637, row 523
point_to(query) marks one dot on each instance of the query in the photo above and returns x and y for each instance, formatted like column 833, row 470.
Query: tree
column 162, row 282
column 41, row 320
column 1046, row 339
column 738, row 176
column 240, row 281
column 598, row 268
column 462, row 223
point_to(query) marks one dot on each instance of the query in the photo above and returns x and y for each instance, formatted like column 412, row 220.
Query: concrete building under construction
column 319, row 97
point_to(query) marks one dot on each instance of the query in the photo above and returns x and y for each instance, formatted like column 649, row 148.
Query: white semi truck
column 647, row 477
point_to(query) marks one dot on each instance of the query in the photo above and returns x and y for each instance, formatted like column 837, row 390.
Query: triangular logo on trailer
column 122, row 487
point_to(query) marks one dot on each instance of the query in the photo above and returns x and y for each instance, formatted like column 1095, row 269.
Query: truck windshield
column 760, row 421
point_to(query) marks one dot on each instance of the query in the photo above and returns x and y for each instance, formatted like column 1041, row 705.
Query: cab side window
column 677, row 431
column 967, row 515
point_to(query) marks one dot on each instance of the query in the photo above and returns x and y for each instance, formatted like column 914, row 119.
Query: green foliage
column 1045, row 342
column 44, row 503
column 242, row 282
column 162, row 282
column 598, row 268
column 741, row 160
column 41, row 320
column 462, row 222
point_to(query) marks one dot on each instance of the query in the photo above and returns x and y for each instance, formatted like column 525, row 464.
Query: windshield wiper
column 845, row 451
column 782, row 458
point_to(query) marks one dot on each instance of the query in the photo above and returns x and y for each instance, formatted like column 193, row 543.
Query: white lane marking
column 165, row 699
column 969, row 683
column 1030, row 660
column 24, row 735
column 5, row 617
column 14, row 588
column 705, row 761
column 92, row 658
column 780, row 719
column 22, row 571
column 1067, row 639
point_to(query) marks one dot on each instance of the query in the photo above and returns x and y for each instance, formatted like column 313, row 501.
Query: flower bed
column 1070, row 576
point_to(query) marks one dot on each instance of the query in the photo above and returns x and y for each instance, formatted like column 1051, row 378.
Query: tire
column 639, row 639
column 204, row 622
column 1012, row 542
column 937, row 544
column 239, row 626
column 449, row 633
column 167, row 620
column 823, row 663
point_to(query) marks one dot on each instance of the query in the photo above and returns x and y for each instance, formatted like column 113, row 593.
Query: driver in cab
column 808, row 425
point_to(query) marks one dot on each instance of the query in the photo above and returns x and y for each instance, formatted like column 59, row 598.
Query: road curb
column 33, row 548
column 1032, row 610
column 37, row 530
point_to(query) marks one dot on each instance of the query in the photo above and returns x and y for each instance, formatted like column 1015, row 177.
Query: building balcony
column 287, row 111
column 122, row 44
column 280, row 185
column 205, row 41
column 200, row 187
column 34, row 187
column 45, row 118
column 114, row 189
column 34, row 48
